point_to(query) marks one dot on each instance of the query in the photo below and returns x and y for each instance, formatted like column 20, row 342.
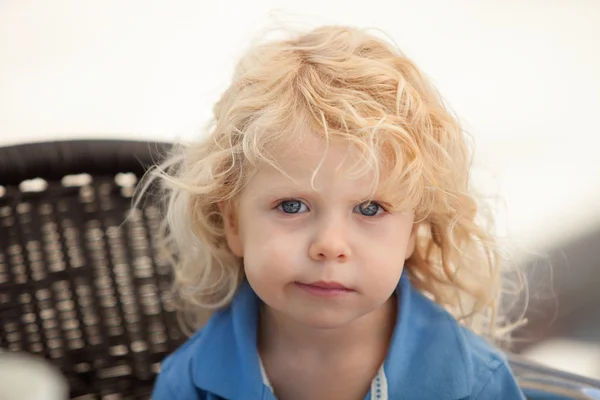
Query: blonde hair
column 344, row 83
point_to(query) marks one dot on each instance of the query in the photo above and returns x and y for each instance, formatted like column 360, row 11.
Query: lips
column 324, row 289
column 326, row 285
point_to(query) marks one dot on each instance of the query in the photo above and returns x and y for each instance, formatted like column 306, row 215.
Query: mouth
column 324, row 289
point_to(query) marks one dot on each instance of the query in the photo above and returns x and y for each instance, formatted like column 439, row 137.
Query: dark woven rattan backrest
column 80, row 284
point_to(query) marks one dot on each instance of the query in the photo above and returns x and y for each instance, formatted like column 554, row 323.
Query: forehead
column 318, row 164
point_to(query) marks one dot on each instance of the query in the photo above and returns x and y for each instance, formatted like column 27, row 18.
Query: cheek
column 388, row 239
column 385, row 252
column 381, row 279
column 385, row 265
column 272, row 249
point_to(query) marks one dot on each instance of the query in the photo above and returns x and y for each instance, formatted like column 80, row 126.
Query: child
column 326, row 219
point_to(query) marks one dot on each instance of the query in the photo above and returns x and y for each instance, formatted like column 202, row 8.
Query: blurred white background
column 522, row 76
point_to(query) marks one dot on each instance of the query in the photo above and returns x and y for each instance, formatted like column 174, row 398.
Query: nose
column 330, row 243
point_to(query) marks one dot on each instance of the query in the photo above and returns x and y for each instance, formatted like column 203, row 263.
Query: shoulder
column 215, row 360
column 174, row 380
column 490, row 374
column 220, row 361
column 435, row 356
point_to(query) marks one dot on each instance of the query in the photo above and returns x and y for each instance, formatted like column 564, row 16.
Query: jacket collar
column 428, row 355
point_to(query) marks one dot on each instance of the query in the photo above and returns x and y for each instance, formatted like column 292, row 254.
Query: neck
column 371, row 332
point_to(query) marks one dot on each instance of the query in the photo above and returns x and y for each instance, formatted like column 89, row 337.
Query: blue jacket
column 431, row 357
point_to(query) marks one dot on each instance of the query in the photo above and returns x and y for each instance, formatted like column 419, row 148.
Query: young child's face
column 293, row 234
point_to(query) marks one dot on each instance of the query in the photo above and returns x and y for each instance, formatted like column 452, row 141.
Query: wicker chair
column 81, row 285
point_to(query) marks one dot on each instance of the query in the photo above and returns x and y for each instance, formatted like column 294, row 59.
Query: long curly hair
column 348, row 84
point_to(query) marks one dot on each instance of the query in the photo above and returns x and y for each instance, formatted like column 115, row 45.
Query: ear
column 230, row 224
column 412, row 242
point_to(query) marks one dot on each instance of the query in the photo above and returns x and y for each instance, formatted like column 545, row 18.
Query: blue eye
column 292, row 206
column 369, row 209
